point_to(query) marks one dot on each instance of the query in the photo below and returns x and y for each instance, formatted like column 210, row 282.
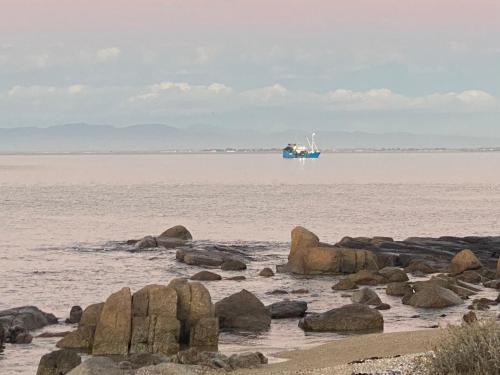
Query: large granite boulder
column 155, row 328
column 432, row 296
column 465, row 260
column 348, row 318
column 243, row 311
column 157, row 319
column 59, row 362
column 113, row 331
column 83, row 337
column 309, row 256
column 287, row 309
column 302, row 239
column 366, row 296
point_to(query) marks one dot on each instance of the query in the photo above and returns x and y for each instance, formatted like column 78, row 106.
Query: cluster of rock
column 156, row 319
column 171, row 238
column 17, row 323
column 211, row 258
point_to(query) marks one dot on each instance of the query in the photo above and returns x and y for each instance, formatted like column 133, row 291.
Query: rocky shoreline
column 175, row 328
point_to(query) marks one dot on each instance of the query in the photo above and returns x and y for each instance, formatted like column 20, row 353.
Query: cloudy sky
column 422, row 66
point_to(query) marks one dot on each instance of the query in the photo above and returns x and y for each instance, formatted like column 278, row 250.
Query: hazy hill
column 155, row 137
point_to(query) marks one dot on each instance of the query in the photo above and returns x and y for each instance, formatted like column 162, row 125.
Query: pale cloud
column 39, row 92
column 107, row 54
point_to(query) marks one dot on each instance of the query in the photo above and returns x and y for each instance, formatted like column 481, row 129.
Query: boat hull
column 295, row 155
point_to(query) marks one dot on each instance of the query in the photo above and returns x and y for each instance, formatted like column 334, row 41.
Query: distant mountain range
column 157, row 137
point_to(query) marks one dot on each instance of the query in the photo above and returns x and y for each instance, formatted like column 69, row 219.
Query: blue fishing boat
column 294, row 151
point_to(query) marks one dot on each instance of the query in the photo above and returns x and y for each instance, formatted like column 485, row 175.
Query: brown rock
column 83, row 337
column 418, row 265
column 302, row 239
column 470, row 317
column 206, row 276
column 113, row 331
column 345, row 284
column 233, row 265
column 244, row 311
column 349, row 318
column 398, row 289
column 266, row 272
column 393, row 274
column 463, row 261
column 432, row 296
column 366, row 277
column 179, row 232
column 366, row 296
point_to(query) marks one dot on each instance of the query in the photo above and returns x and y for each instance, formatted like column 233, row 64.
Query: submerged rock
column 206, row 276
column 59, row 362
column 348, row 318
column 287, row 309
column 171, row 238
column 17, row 323
column 243, row 311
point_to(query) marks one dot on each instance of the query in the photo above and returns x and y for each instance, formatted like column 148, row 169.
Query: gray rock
column 243, row 311
column 495, row 284
column 58, row 362
column 366, row 296
column 287, row 309
column 345, row 284
column 398, row 289
column 75, row 315
column 179, row 231
column 348, row 318
column 247, row 360
column 28, row 318
column 172, row 369
column 233, row 265
column 367, row 277
column 433, row 296
column 147, row 242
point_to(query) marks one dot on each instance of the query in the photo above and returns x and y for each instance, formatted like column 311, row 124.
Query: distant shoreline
column 257, row 152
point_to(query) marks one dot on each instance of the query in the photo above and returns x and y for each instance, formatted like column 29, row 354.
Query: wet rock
column 277, row 292
column 58, row 362
column 18, row 335
column 266, row 272
column 495, row 284
column 393, row 274
column 367, row 277
column 243, row 311
column 233, row 265
column 28, row 318
column 482, row 304
column 345, row 284
column 180, row 232
column 398, row 289
column 172, row 369
column 300, row 291
column 420, row 266
column 98, row 366
column 470, row 317
column 206, row 276
column 199, row 258
column 83, row 337
column 498, row 267
column 287, row 309
column 348, row 318
column 471, row 277
column 433, row 296
column 113, row 330
column 465, row 260
column 366, row 296
column 383, row 306
column 2, row 337
column 75, row 315
column 147, row 242
column 138, row 360
column 237, row 278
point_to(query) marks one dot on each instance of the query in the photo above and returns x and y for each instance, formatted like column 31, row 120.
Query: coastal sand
column 325, row 358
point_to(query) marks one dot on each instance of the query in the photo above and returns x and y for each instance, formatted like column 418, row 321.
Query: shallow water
column 61, row 215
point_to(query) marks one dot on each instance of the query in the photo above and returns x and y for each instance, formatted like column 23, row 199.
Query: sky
column 421, row 66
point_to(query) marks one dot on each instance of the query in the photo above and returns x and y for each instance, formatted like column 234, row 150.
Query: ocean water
column 63, row 217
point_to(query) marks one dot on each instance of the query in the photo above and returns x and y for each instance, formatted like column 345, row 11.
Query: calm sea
column 60, row 216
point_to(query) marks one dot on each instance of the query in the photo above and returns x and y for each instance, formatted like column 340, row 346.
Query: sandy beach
column 330, row 358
